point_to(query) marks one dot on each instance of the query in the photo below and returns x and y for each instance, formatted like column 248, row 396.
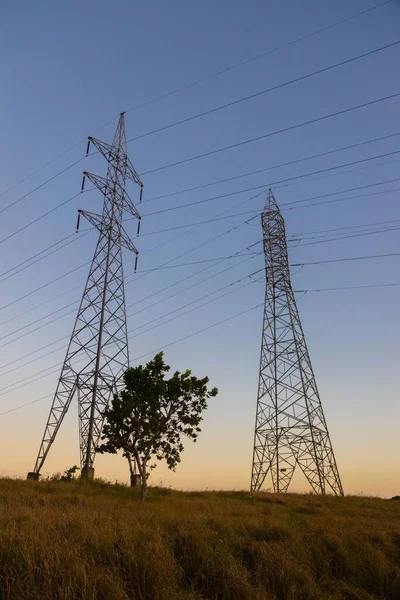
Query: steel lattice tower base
column 97, row 353
column 290, row 424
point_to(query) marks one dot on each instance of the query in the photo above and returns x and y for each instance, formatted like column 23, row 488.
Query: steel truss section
column 290, row 425
column 97, row 353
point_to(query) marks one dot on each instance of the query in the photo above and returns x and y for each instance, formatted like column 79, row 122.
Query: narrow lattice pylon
column 290, row 425
column 97, row 353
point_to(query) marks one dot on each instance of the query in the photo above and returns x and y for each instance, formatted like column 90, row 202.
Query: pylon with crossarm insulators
column 97, row 353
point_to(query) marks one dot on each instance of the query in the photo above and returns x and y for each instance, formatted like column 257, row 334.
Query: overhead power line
column 238, row 256
column 257, row 212
column 303, row 291
column 50, row 162
column 266, row 91
column 42, row 255
column 56, row 367
column 195, row 262
column 149, row 329
column 148, row 306
column 216, row 237
column 225, row 287
column 208, row 153
column 171, row 312
column 345, row 259
column 231, row 229
column 187, row 86
column 273, row 133
column 275, row 183
column 167, row 229
column 36, row 306
column 211, row 326
column 42, row 216
column 278, row 166
column 259, row 56
column 7, row 412
column 356, row 226
column 353, row 189
column 346, row 237
column 165, row 346
column 38, row 187
column 225, row 232
column 347, row 287
column 44, row 286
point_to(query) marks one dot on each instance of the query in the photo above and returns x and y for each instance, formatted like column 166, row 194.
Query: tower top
column 271, row 204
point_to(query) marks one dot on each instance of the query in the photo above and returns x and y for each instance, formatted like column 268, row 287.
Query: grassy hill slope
column 75, row 541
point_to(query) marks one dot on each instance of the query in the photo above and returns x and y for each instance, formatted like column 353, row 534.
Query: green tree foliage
column 69, row 474
column 151, row 415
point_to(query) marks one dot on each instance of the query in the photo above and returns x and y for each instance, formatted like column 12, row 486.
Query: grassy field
column 76, row 541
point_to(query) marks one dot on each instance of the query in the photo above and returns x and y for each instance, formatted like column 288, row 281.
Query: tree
column 69, row 474
column 151, row 415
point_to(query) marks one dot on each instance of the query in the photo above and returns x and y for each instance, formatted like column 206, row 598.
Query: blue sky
column 69, row 69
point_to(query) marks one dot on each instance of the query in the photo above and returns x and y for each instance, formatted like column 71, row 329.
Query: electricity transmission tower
column 97, row 353
column 290, row 424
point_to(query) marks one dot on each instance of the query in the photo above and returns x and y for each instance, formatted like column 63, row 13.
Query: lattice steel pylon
column 97, row 353
column 290, row 424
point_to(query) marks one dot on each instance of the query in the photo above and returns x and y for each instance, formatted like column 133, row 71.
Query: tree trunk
column 143, row 486
column 135, row 478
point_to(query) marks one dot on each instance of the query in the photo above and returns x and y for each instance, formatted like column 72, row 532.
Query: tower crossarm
column 110, row 153
column 107, row 187
column 96, row 220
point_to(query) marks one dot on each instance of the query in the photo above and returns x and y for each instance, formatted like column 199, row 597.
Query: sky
column 70, row 69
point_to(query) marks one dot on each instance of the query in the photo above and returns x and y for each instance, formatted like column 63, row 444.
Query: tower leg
column 87, row 473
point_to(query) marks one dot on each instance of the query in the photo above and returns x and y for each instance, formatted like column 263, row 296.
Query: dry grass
column 74, row 541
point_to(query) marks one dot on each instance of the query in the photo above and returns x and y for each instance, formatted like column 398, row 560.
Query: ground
column 79, row 541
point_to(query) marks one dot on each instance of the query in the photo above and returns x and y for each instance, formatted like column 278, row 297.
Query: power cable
column 213, row 275
column 195, row 262
column 56, row 367
column 51, row 162
column 354, row 189
column 18, row 316
column 7, row 412
column 197, row 82
column 166, row 346
column 24, row 264
column 231, row 229
column 275, row 183
column 46, row 214
column 273, row 133
column 258, row 56
column 44, row 285
column 285, row 164
column 165, row 265
column 348, row 236
column 348, row 287
column 40, row 185
column 229, row 285
column 306, row 233
column 192, row 158
column 214, row 325
column 263, row 92
column 335, row 260
column 206, row 222
column 140, row 327
column 292, row 265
